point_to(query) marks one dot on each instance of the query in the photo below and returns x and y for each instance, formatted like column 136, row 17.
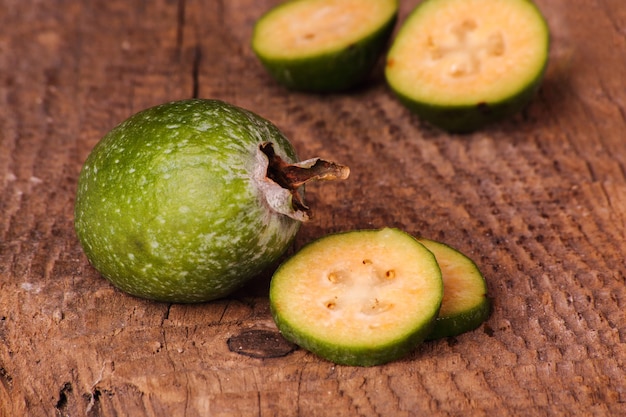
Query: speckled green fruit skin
column 166, row 208
column 469, row 319
column 336, row 70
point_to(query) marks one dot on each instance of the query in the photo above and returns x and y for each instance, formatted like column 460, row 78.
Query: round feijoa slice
column 188, row 200
column 358, row 298
column 465, row 304
column 461, row 64
column 323, row 45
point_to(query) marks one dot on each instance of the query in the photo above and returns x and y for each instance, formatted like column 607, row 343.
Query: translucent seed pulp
column 359, row 288
column 467, row 48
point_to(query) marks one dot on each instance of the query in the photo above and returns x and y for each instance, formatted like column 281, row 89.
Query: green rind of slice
column 333, row 52
column 465, row 304
column 469, row 118
column 462, row 64
column 359, row 298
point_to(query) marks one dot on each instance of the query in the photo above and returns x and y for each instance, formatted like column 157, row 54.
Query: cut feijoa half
column 323, row 45
column 460, row 64
column 465, row 304
column 358, row 298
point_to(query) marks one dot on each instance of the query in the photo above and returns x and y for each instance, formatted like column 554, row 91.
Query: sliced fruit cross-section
column 323, row 45
column 358, row 298
column 460, row 64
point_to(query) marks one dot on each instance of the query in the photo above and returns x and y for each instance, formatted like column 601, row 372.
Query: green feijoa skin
column 359, row 298
column 465, row 304
column 462, row 64
column 324, row 45
column 187, row 201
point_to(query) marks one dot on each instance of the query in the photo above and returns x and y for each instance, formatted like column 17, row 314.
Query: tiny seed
column 367, row 262
column 458, row 70
column 495, row 44
column 333, row 277
column 465, row 26
column 435, row 51
column 376, row 307
column 331, row 305
column 460, row 30
column 469, row 24
column 391, row 274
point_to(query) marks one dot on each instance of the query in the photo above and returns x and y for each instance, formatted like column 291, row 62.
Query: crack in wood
column 180, row 27
column 6, row 378
column 93, row 397
column 195, row 71
column 63, row 392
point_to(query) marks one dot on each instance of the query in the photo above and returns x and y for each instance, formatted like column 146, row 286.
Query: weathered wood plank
column 538, row 201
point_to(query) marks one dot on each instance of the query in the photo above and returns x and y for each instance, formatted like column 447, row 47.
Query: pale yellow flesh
column 359, row 288
column 464, row 287
column 308, row 27
column 452, row 50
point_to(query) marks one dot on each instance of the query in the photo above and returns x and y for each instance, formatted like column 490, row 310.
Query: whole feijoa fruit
column 461, row 64
column 188, row 200
column 362, row 298
column 323, row 45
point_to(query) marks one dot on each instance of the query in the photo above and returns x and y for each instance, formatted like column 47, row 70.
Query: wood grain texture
column 538, row 201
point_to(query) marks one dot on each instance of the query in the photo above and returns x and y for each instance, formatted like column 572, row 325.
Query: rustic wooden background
column 539, row 202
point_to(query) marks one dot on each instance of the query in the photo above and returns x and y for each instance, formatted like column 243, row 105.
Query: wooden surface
column 539, row 202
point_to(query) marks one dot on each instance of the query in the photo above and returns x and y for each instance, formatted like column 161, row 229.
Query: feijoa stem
column 293, row 176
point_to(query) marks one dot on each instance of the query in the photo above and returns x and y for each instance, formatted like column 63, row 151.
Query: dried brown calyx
column 292, row 176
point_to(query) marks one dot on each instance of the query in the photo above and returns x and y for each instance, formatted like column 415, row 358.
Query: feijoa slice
column 461, row 64
column 465, row 304
column 358, row 298
column 323, row 45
